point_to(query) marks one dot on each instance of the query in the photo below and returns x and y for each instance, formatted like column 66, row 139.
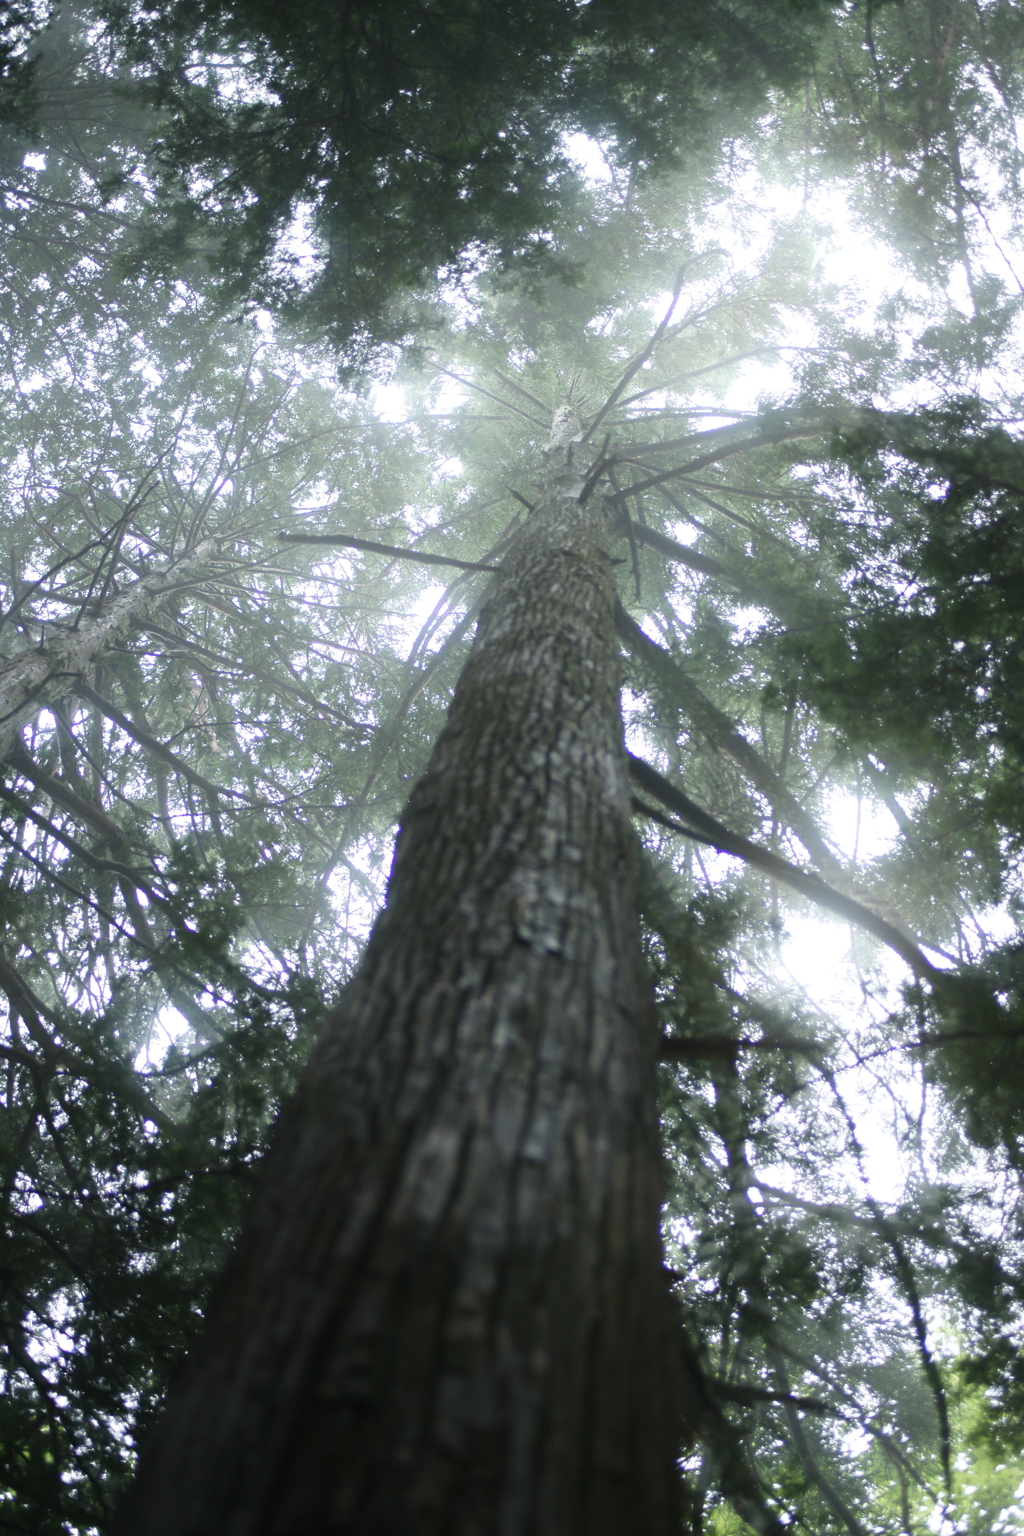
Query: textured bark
column 448, row 1314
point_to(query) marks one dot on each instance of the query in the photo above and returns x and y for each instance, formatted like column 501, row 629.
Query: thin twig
column 641, row 358
column 469, row 383
column 144, row 739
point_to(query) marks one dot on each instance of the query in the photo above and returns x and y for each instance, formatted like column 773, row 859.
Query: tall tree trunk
column 448, row 1314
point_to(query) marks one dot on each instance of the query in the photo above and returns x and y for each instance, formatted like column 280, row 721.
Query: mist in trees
column 304, row 382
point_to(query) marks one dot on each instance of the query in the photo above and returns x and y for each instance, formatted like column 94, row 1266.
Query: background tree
column 823, row 1322
column 413, row 147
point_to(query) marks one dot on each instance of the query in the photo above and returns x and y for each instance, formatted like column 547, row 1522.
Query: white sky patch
column 586, row 154
column 297, row 245
column 683, row 533
column 815, row 951
column 830, row 963
column 858, row 827
column 149, row 372
column 390, row 402
column 168, row 1027
column 819, row 955
column 406, row 627
column 357, row 886
column 998, row 924
column 747, row 622
column 637, row 738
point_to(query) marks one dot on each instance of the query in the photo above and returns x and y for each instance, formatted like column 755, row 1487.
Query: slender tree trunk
column 47, row 672
column 448, row 1315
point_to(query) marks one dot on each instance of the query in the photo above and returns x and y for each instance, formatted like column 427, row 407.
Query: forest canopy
column 299, row 305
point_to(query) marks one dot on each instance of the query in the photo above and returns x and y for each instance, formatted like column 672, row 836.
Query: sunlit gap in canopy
column 822, row 967
column 840, row 981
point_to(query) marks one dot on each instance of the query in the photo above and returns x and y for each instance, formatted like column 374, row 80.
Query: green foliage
column 196, row 831
column 411, row 147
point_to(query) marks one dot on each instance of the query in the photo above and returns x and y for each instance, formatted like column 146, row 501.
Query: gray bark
column 46, row 673
column 448, row 1314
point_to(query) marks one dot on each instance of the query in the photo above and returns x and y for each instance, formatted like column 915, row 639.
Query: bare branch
column 642, row 357
column 708, row 830
column 144, row 739
column 470, row 384
column 347, row 542
column 674, row 550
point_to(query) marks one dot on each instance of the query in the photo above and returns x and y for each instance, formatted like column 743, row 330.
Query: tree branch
column 674, row 550
column 59, row 792
column 144, row 739
column 634, row 367
column 110, row 866
column 722, row 733
column 345, row 541
column 708, row 830
column 40, row 672
column 33, row 1011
